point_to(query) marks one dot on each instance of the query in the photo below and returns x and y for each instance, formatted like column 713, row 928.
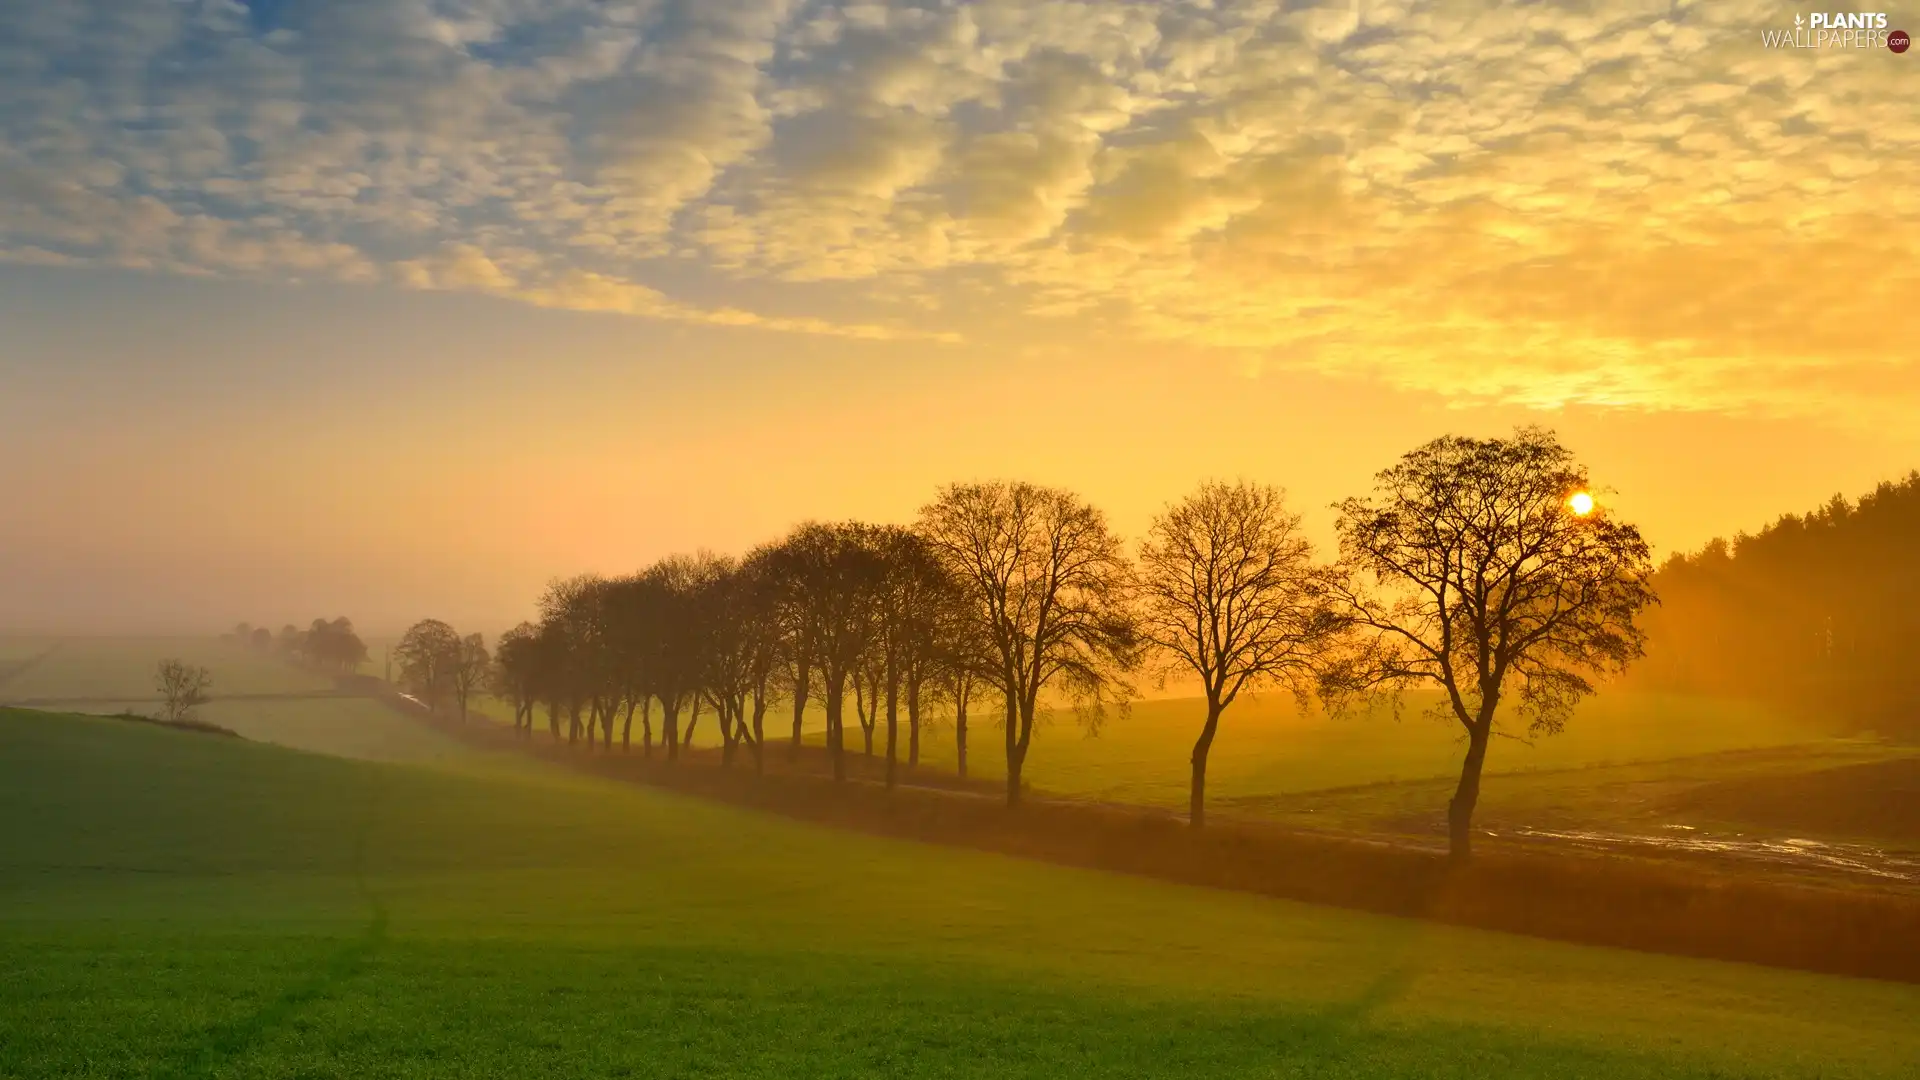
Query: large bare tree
column 1047, row 581
column 1229, row 593
column 1475, row 569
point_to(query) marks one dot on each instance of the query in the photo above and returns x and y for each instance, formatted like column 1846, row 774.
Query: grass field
column 1626, row 763
column 276, row 702
column 182, row 905
column 1267, row 746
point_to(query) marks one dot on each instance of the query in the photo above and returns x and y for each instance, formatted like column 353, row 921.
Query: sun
column 1581, row 503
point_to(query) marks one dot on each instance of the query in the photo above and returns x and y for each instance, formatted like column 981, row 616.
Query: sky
column 400, row 308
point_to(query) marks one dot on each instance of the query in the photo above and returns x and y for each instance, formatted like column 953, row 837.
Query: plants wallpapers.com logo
column 1838, row 30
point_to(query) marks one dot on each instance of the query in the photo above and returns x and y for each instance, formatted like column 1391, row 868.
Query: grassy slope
column 109, row 675
column 174, row 904
column 1627, row 761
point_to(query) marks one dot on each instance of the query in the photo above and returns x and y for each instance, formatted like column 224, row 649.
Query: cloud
column 1628, row 204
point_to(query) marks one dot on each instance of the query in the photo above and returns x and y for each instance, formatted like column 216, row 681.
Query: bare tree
column 717, row 627
column 1472, row 568
column 1047, row 581
column 958, row 685
column 770, row 644
column 836, row 572
column 516, row 673
column 470, row 666
column 631, row 608
column 675, row 659
column 1230, row 593
column 183, row 688
column 573, row 632
column 869, row 676
column 794, row 566
column 428, row 653
column 913, row 594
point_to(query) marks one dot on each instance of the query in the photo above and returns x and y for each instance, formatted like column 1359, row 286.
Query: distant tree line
column 328, row 644
column 1817, row 612
column 1471, row 568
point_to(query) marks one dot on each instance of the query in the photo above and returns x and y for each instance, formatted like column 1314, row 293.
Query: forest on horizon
column 1819, row 612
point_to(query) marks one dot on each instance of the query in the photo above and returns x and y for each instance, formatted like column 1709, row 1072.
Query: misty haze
column 961, row 538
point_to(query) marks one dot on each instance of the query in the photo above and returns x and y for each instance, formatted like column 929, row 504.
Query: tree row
column 1483, row 568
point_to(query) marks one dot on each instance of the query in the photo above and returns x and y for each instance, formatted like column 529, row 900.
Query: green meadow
column 255, row 695
column 1626, row 761
column 174, row 904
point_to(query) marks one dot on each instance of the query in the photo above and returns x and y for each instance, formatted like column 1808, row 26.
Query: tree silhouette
column 574, row 634
column 1230, row 593
column 725, row 625
column 913, row 595
column 827, row 578
column 183, row 688
column 517, row 673
column 674, row 655
column 468, row 672
column 1469, row 571
column 429, row 653
column 1046, row 586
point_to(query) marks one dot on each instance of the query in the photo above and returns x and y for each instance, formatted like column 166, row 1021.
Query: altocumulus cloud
column 1607, row 203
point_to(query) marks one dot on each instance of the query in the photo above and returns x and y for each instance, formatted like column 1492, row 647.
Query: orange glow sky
column 400, row 308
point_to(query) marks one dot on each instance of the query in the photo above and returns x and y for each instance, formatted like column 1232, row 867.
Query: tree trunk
column 836, row 734
column 1197, row 801
column 1460, row 810
column 913, row 723
column 670, row 728
column 1015, row 758
column 626, row 729
column 893, row 726
column 960, row 739
column 759, row 733
column 693, row 722
column 802, row 682
column 866, row 708
column 646, row 726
